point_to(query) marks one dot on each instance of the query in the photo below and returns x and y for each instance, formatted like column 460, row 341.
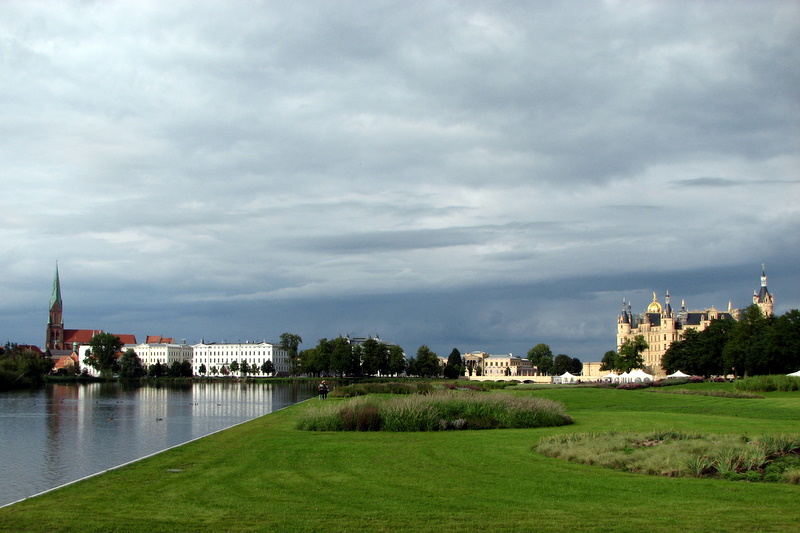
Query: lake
column 61, row 433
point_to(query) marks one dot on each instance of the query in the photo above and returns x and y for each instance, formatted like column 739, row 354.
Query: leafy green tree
column 683, row 354
column 397, row 360
column 234, row 367
column 609, row 361
column 374, row 357
column 202, row 369
column 317, row 360
column 781, row 343
column 356, row 353
column 213, row 370
column 561, row 364
column 244, row 368
column 174, row 370
column 630, row 353
column 743, row 353
column 103, row 351
column 577, row 366
column 22, row 366
column 130, row 365
column 412, row 368
column 455, row 365
column 541, row 357
column 699, row 352
column 290, row 343
column 341, row 356
column 427, row 362
column 267, row 367
column 157, row 370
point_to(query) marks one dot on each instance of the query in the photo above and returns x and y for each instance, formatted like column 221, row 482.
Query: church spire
column 55, row 298
column 54, row 339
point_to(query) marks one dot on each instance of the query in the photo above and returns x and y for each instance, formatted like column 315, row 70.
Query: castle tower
column 763, row 299
column 55, row 323
column 624, row 322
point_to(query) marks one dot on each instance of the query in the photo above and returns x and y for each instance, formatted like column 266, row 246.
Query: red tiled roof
column 126, row 338
column 81, row 336
column 67, row 360
column 158, row 339
column 30, row 347
column 84, row 336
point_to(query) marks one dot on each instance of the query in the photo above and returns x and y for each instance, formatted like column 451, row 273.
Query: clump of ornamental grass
column 768, row 383
column 437, row 411
column 673, row 453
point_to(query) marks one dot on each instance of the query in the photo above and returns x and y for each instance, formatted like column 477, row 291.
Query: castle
column 660, row 325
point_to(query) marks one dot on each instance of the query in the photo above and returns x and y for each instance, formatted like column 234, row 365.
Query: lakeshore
column 265, row 475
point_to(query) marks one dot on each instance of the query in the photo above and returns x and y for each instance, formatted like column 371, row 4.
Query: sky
column 485, row 176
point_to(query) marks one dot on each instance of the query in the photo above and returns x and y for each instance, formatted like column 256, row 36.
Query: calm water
column 61, row 433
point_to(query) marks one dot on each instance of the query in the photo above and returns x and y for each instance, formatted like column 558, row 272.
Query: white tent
column 678, row 374
column 566, row 377
column 611, row 377
column 638, row 376
column 795, row 374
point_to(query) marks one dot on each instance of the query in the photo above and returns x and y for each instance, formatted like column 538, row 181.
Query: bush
column 634, row 386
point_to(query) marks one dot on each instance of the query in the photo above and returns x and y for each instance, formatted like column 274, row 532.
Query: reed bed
column 673, row 453
column 437, row 411
column 363, row 389
column 768, row 384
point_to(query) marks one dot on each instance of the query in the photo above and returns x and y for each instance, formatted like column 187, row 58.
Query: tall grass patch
column 673, row 453
column 362, row 389
column 438, row 411
column 768, row 384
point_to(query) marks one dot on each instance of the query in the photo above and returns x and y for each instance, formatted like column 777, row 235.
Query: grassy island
column 267, row 475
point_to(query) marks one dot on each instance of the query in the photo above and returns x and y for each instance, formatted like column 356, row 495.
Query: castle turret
column 763, row 299
column 624, row 320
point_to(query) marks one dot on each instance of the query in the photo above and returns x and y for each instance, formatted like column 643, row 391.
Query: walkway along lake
column 61, row 433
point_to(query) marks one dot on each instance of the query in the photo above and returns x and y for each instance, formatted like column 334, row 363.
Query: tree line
column 22, row 366
column 753, row 345
column 341, row 358
column 546, row 364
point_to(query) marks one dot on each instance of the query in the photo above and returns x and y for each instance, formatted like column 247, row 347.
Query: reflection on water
column 61, row 433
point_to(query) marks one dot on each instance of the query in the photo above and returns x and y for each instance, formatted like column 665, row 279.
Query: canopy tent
column 797, row 374
column 566, row 377
column 611, row 377
column 678, row 374
column 637, row 376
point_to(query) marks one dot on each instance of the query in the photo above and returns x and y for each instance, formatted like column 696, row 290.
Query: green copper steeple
column 55, row 298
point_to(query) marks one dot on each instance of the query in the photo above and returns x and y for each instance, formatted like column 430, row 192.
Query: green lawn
column 267, row 476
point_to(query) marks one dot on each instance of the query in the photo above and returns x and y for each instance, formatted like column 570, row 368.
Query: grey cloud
column 257, row 160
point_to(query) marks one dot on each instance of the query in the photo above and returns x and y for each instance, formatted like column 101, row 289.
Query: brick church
column 59, row 341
